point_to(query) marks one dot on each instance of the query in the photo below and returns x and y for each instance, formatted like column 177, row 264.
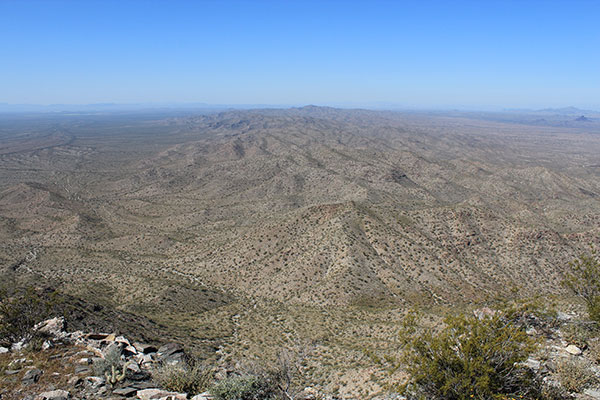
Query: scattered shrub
column 467, row 358
column 584, row 281
column 552, row 392
column 245, row 387
column 578, row 334
column 184, row 378
column 575, row 374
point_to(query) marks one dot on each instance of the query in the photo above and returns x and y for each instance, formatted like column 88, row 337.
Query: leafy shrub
column 184, row 378
column 245, row 387
column 575, row 374
column 584, row 281
column 467, row 358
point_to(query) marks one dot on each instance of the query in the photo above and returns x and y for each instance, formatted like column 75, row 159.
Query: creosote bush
column 245, row 387
column 468, row 358
column 188, row 379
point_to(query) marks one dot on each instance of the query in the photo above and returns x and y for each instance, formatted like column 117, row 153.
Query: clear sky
column 413, row 53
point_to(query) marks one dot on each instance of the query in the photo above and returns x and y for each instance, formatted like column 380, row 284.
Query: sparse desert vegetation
column 242, row 234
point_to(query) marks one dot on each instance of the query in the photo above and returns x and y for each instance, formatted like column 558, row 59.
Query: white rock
column 531, row 331
column 144, row 358
column 130, row 349
column 133, row 367
column 53, row 326
column 158, row 394
column 20, row 345
column 3, row 350
column 593, row 393
column 122, row 339
column 561, row 316
column 54, row 395
column 202, row 396
column 532, row 363
column 94, row 381
column 572, row 349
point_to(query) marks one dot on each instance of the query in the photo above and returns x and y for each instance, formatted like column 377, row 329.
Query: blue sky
column 477, row 54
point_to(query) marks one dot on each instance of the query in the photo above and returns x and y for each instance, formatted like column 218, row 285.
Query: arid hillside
column 311, row 205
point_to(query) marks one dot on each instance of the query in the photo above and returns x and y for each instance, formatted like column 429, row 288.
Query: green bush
column 245, row 387
column 583, row 280
column 467, row 358
column 184, row 378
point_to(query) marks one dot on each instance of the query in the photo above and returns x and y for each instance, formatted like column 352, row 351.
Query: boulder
column 171, row 353
column 129, row 350
column 145, row 348
column 82, row 369
column 122, row 339
column 169, row 349
column 593, row 393
column 75, row 381
column 52, row 327
column 144, row 358
column 158, row 394
column 17, row 347
column 532, row 364
column 125, row 392
column 94, row 381
column 54, row 395
column 574, row 350
column 32, row 376
column 3, row 350
column 11, row 371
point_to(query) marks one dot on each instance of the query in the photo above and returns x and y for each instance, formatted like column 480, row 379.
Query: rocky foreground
column 70, row 373
column 77, row 365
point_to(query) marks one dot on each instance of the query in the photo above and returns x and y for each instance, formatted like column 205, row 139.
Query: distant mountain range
column 554, row 111
column 124, row 107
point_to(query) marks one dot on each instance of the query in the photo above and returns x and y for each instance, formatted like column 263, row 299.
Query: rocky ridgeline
column 80, row 353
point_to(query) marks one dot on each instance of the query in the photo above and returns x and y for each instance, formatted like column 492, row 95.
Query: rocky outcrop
column 104, row 365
